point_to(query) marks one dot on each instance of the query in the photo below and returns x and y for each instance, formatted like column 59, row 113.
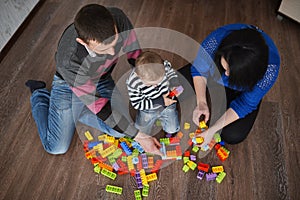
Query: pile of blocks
column 112, row 157
column 212, row 173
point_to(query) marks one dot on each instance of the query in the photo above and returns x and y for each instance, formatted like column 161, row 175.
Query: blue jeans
column 168, row 116
column 56, row 114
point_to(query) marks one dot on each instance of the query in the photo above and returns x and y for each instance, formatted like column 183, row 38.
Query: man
column 86, row 56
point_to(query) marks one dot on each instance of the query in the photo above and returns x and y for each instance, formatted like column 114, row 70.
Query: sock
column 34, row 85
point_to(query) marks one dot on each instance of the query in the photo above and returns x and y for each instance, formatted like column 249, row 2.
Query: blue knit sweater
column 204, row 66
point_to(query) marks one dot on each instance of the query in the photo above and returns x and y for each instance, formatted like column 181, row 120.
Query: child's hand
column 167, row 100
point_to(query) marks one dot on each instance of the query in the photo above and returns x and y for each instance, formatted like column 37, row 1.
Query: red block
column 203, row 166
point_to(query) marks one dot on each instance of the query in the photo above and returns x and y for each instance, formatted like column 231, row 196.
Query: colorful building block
column 186, row 126
column 144, row 161
column 129, row 163
column 203, row 125
column 217, row 169
column 110, row 150
column 126, row 148
column 192, row 135
column 143, row 177
column 145, row 191
column 223, row 153
column 135, row 160
column 117, row 153
column 88, row 136
column 157, row 166
column 109, row 139
column 108, row 174
column 195, row 149
column 138, row 180
column 114, row 189
column 193, row 157
column 191, row 165
column 102, row 137
column 175, row 140
column 200, row 174
column 185, row 159
column 137, row 195
column 151, row 177
column 220, row 177
column 185, row 168
column 97, row 169
column 211, row 176
column 179, row 135
column 203, row 166
column 106, row 166
column 116, row 166
column 137, row 146
column 150, row 162
column 217, row 137
column 165, row 141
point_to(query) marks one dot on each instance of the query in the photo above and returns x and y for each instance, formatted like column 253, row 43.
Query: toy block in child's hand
column 176, row 92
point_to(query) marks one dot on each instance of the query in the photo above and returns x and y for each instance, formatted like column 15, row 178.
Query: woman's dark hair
column 95, row 22
column 246, row 53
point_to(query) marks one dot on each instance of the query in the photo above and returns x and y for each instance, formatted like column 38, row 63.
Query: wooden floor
column 265, row 166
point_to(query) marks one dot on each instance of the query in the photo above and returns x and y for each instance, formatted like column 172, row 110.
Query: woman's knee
column 233, row 137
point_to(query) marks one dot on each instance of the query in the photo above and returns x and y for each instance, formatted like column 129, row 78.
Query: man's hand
column 167, row 100
column 201, row 109
column 149, row 144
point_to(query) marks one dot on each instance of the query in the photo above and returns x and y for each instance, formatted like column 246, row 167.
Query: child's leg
column 145, row 120
column 169, row 119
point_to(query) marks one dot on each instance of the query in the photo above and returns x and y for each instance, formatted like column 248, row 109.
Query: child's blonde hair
column 149, row 66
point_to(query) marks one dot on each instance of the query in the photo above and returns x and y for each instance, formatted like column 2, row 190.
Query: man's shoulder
column 68, row 48
column 122, row 21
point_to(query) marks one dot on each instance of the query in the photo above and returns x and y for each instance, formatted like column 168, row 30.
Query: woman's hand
column 149, row 144
column 207, row 135
column 201, row 109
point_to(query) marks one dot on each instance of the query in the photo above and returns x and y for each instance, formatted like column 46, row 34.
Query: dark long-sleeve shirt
column 82, row 70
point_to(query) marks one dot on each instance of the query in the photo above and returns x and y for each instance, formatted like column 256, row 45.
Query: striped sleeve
column 171, row 75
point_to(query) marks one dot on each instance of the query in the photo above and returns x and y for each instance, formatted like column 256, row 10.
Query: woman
column 246, row 62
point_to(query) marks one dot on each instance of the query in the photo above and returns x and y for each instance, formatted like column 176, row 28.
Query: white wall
column 12, row 14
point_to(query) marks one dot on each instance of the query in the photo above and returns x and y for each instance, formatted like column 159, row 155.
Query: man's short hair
column 149, row 66
column 95, row 22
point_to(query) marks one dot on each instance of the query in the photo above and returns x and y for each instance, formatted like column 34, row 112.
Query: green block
column 185, row 168
column 158, row 123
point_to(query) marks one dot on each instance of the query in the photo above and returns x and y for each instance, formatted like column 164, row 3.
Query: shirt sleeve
column 249, row 100
column 204, row 65
column 138, row 100
column 171, row 74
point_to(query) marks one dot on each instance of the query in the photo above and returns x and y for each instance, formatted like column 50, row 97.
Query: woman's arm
column 227, row 118
column 201, row 108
